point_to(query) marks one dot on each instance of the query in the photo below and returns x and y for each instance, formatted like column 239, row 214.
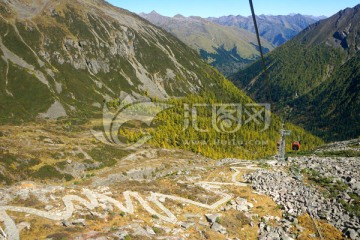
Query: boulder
column 211, row 218
column 218, row 228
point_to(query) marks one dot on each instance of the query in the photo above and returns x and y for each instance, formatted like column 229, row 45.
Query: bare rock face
column 55, row 111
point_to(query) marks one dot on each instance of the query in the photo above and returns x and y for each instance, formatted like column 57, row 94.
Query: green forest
column 315, row 87
column 294, row 69
column 250, row 142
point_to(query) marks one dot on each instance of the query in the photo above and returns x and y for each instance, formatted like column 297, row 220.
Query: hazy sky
column 215, row 8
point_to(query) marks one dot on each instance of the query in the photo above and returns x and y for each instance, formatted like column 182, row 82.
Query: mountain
column 72, row 61
column 62, row 60
column 275, row 29
column 65, row 58
column 226, row 48
column 320, row 61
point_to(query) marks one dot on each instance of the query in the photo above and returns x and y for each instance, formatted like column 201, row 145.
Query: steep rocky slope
column 65, row 58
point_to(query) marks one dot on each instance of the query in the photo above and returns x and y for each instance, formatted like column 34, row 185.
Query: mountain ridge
column 226, row 48
column 276, row 29
column 230, row 46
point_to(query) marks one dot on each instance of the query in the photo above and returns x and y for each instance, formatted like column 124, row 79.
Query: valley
column 229, row 43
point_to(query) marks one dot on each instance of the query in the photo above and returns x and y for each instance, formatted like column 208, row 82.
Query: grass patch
column 354, row 206
column 107, row 155
column 127, row 237
column 158, row 230
column 300, row 153
column 17, row 168
column 8, row 159
column 4, row 180
column 155, row 216
column 233, row 221
column 50, row 172
column 264, row 165
column 61, row 165
column 58, row 236
column 56, row 155
column 334, row 189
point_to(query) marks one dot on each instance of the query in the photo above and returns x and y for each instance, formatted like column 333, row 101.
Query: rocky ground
column 326, row 187
column 170, row 194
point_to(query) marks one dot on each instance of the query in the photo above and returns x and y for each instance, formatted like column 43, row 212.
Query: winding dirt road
column 12, row 233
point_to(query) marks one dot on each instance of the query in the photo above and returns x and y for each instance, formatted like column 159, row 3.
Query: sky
column 217, row 8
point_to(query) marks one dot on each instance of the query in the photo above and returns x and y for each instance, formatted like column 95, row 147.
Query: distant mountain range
column 229, row 43
column 314, row 78
column 226, row 48
column 275, row 29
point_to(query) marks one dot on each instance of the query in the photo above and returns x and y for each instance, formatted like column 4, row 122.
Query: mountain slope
column 311, row 60
column 275, row 29
column 57, row 56
column 337, row 102
column 226, row 48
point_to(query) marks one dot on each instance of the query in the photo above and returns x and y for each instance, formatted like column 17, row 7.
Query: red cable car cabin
column 295, row 146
